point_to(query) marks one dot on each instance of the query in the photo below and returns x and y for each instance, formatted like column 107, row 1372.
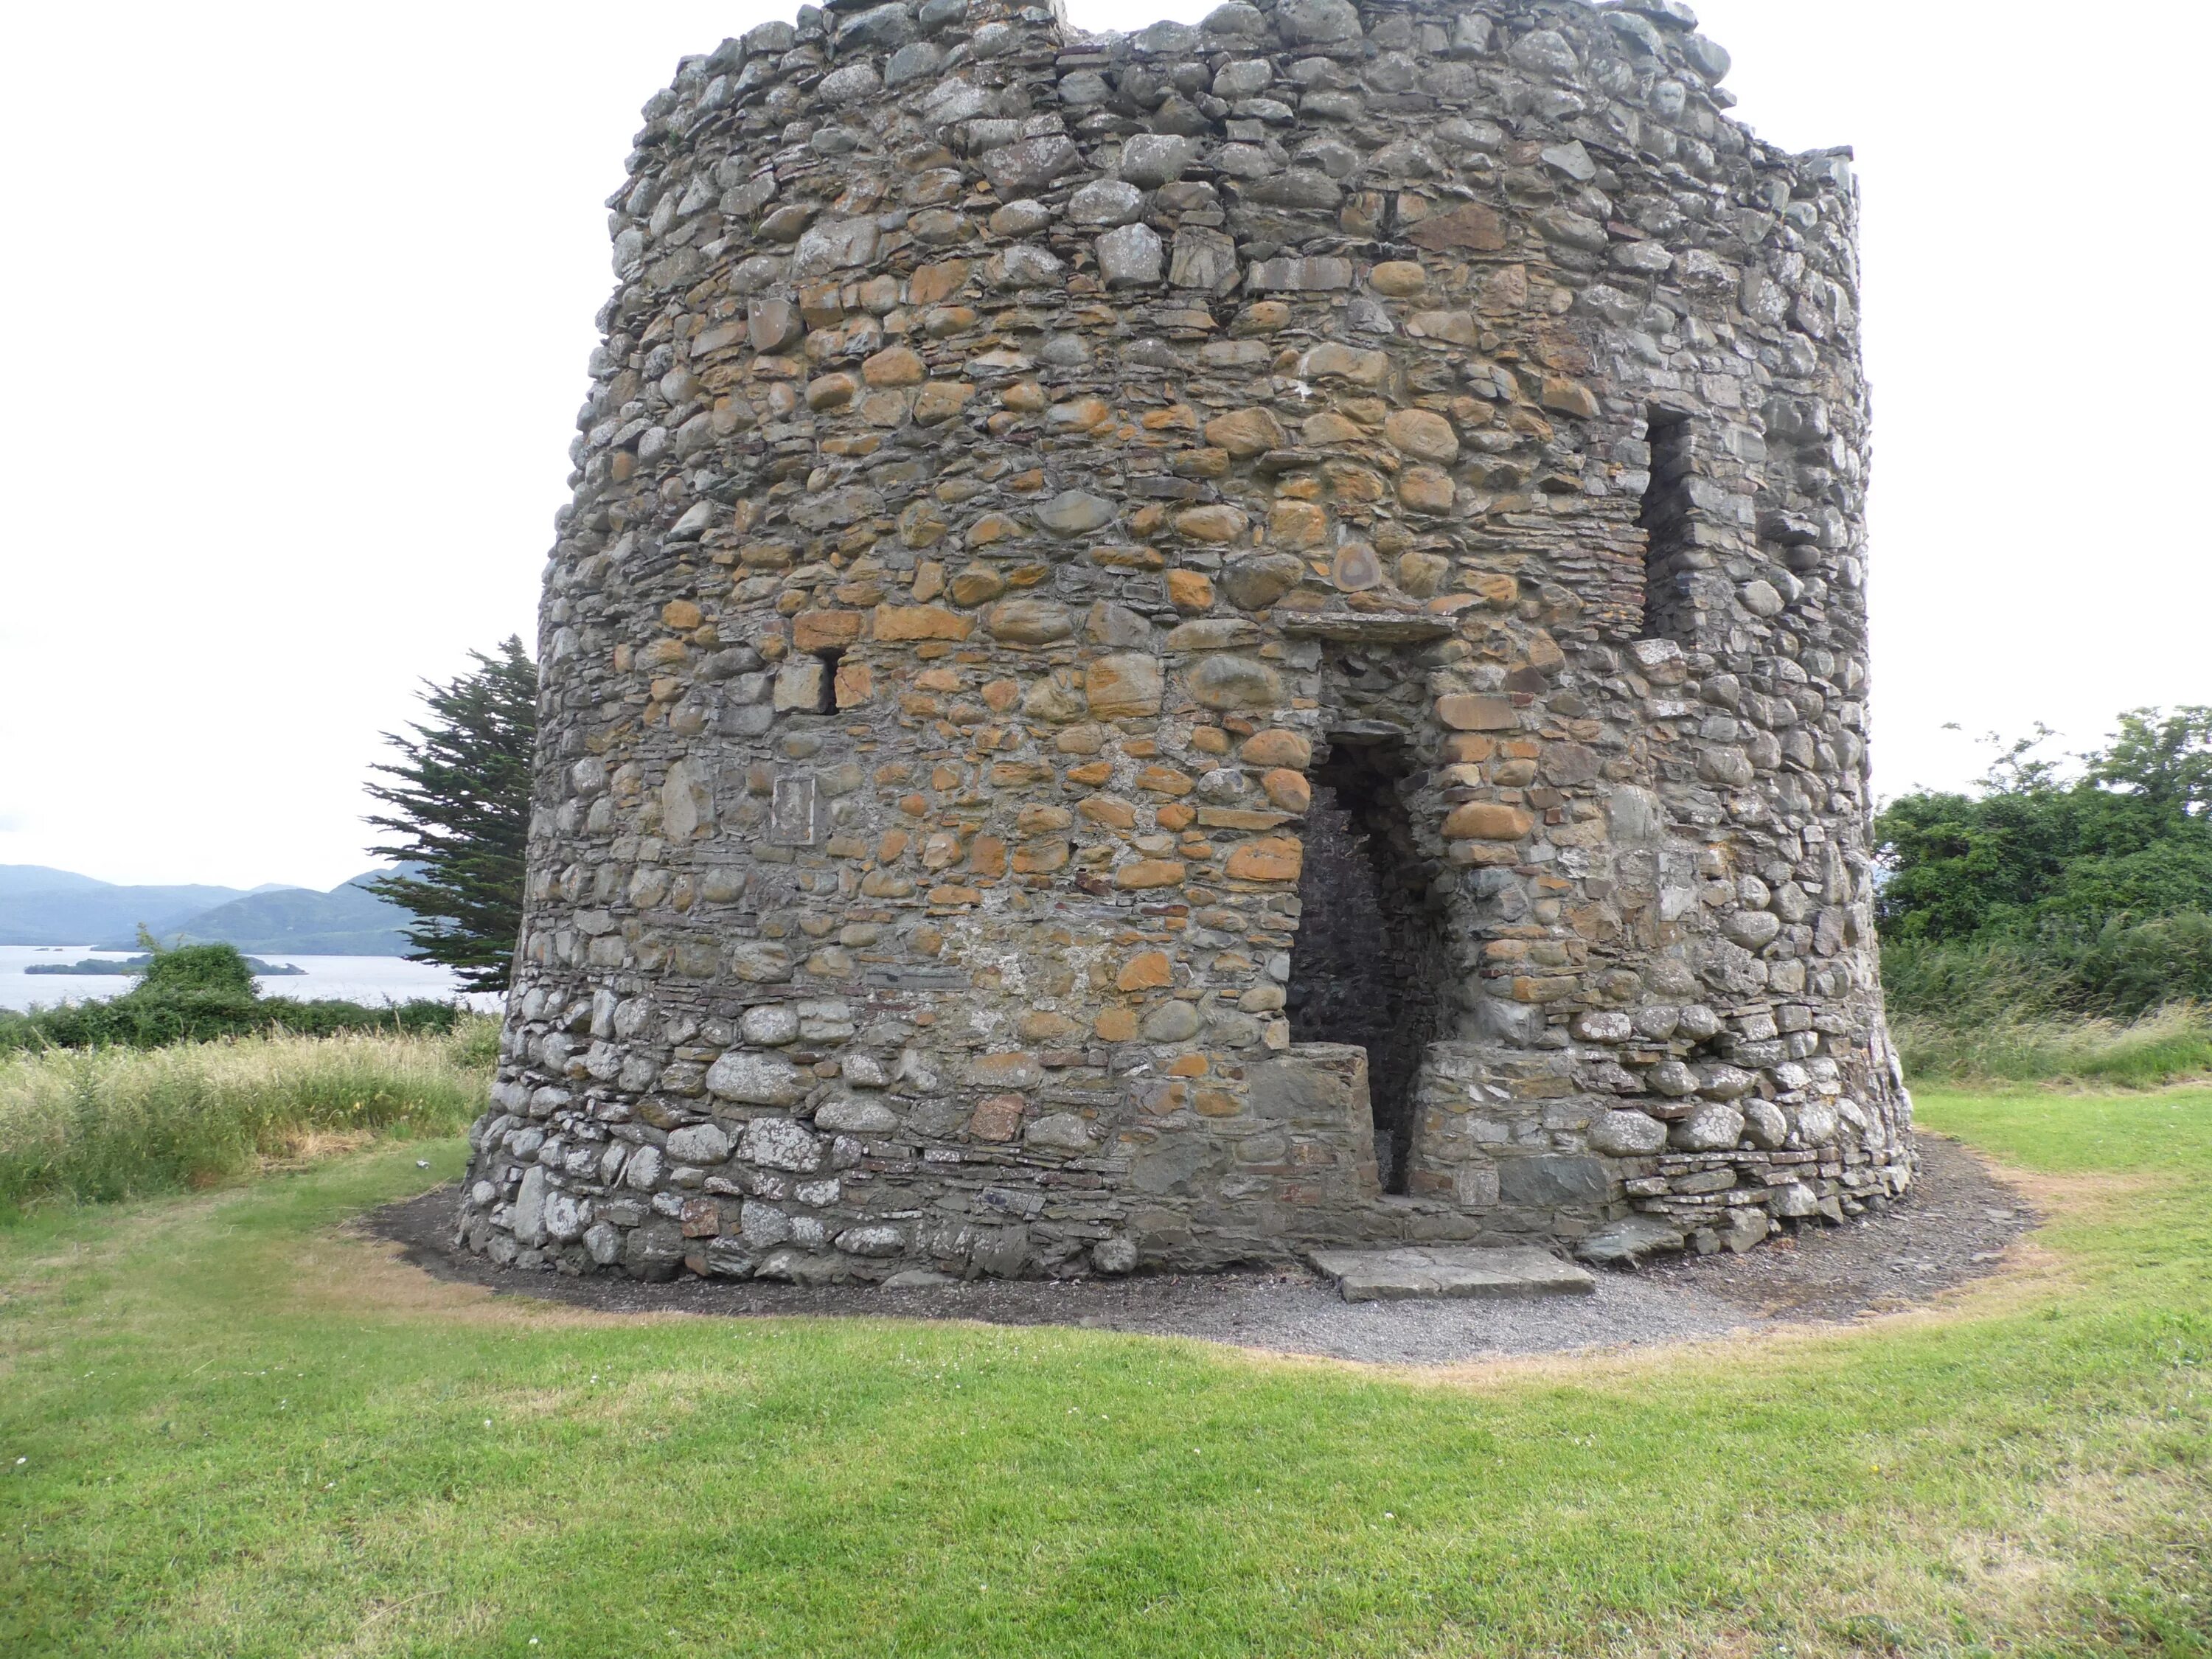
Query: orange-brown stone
column 938, row 281
column 1469, row 226
column 1189, row 592
column 1211, row 524
column 1272, row 858
column 1150, row 872
column 895, row 366
column 1245, row 433
column 920, row 622
column 1163, row 780
column 1287, row 789
column 1472, row 712
column 1148, row 971
column 1486, row 820
column 1040, row 858
column 819, row 630
column 997, row 1117
column 1276, row 746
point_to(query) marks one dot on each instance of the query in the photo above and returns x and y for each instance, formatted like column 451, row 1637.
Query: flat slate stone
column 1451, row 1270
column 1397, row 628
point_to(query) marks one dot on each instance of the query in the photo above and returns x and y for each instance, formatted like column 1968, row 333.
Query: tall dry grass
column 2168, row 1045
column 111, row 1123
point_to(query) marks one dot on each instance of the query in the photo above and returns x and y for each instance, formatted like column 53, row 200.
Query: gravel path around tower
column 1952, row 1228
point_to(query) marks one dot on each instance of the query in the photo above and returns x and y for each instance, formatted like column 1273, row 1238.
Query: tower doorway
column 1371, row 965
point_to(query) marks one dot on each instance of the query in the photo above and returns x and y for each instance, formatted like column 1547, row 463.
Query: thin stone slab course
column 1451, row 1271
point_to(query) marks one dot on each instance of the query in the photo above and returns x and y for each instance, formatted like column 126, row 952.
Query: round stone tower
column 1178, row 647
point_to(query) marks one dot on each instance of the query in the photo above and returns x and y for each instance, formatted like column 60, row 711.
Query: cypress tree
column 460, row 800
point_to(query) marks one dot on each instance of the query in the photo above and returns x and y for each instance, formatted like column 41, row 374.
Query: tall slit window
column 1667, row 520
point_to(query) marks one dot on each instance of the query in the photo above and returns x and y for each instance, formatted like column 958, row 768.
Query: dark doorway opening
column 1372, row 965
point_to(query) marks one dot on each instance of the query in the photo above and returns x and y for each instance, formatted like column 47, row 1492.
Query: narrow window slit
column 1668, row 523
column 826, row 695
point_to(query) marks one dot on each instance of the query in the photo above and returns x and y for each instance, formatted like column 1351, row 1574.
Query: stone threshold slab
column 1451, row 1270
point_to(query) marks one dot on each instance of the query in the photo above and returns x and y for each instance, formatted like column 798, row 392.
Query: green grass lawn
column 226, row 1431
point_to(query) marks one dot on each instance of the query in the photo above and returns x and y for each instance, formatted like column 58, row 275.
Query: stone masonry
column 1173, row 649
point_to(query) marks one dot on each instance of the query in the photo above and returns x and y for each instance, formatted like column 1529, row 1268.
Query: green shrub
column 115, row 1123
column 216, row 968
column 199, row 993
column 2116, row 969
column 2043, row 895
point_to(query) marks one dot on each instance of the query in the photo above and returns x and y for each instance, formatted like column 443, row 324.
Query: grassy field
column 226, row 1428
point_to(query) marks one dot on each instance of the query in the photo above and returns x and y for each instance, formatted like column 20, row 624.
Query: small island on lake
column 138, row 964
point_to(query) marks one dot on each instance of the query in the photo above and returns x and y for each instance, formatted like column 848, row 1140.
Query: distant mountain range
column 38, row 906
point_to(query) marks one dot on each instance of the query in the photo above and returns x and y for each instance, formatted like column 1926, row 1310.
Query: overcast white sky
column 303, row 296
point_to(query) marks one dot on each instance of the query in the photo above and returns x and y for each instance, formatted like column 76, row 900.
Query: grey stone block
column 1432, row 1271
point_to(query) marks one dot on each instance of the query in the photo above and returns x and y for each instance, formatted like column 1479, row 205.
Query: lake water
column 371, row 979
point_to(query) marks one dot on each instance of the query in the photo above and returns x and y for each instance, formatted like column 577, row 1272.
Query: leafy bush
column 2129, row 836
column 2116, row 970
column 2040, row 896
column 202, row 992
column 217, row 969
column 115, row 1123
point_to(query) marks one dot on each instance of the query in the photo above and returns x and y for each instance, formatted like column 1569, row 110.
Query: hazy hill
column 348, row 921
column 38, row 906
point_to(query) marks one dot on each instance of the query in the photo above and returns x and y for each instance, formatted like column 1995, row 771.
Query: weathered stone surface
column 1106, row 203
column 1124, row 684
column 1254, row 584
column 1487, row 821
column 1712, row 1128
column 687, row 801
column 777, row 1143
column 856, row 1117
column 1151, row 159
column 1173, row 649
column 1629, row 1239
column 756, row 1079
column 1131, row 256
column 1245, row 433
column 1225, row 682
column 1030, row 163
column 702, row 1143
column 833, row 244
column 1439, row 1271
column 1463, row 711
column 1422, row 433
column 529, row 1216
column 1062, row 1132
column 1627, row 1134
column 1473, row 226
column 1029, row 622
column 1551, row 1181
column 1203, row 259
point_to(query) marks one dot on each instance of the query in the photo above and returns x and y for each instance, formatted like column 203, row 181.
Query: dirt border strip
column 1960, row 1221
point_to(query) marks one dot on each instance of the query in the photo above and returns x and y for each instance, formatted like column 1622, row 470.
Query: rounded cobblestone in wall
column 1019, row 467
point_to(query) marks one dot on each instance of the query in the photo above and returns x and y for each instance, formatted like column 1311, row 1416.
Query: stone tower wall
column 1035, row 490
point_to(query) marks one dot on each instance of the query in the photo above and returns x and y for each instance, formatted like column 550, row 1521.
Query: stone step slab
column 1454, row 1270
